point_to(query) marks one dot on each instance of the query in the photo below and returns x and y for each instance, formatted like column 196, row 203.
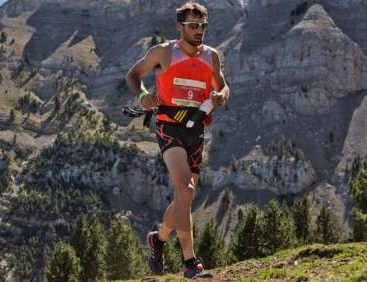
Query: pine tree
column 302, row 219
column 81, row 242
column 57, row 104
column 211, row 246
column 4, row 175
column 64, row 265
column 278, row 227
column 172, row 256
column 95, row 270
column 245, row 242
column 124, row 252
column 358, row 187
column 50, row 235
column 3, row 37
column 359, row 225
column 24, row 263
column 327, row 232
column 47, row 253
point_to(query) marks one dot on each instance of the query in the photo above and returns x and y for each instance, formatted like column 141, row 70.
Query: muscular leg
column 178, row 213
column 168, row 223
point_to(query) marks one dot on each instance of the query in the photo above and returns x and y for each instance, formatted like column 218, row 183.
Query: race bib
column 188, row 92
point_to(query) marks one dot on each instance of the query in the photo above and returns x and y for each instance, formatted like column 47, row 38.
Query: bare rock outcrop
column 260, row 172
column 127, row 175
column 295, row 70
column 315, row 60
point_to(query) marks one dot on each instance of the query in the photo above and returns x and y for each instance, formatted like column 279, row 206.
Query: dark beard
column 194, row 43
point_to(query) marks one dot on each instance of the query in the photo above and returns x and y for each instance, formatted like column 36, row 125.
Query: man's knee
column 184, row 182
column 184, row 187
column 184, row 196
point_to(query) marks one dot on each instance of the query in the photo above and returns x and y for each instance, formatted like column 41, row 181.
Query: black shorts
column 191, row 139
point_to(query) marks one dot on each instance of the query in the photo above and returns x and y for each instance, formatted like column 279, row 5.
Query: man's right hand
column 149, row 101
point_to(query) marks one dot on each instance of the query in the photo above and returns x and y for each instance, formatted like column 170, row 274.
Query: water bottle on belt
column 205, row 108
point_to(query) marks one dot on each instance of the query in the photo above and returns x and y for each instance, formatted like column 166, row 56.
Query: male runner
column 187, row 72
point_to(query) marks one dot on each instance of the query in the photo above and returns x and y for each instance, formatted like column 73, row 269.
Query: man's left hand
column 218, row 99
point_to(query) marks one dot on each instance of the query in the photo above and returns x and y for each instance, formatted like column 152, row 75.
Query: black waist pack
column 179, row 114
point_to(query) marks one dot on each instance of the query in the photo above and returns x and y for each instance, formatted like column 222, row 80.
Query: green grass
column 340, row 262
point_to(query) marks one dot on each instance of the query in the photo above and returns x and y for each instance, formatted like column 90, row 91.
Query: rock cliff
column 296, row 69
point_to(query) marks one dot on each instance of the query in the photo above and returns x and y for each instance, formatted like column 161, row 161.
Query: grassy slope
column 340, row 262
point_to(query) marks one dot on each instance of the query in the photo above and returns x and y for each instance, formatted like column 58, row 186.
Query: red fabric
column 190, row 79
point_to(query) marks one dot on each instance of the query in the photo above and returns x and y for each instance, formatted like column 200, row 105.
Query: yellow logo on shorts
column 180, row 115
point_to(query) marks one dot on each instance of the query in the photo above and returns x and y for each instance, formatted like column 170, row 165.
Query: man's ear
column 178, row 26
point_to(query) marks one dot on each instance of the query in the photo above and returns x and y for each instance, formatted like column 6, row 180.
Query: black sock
column 190, row 262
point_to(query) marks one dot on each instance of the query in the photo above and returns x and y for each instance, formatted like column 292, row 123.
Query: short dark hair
column 191, row 8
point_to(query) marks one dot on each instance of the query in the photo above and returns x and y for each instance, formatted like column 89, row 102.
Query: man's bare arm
column 219, row 83
column 141, row 68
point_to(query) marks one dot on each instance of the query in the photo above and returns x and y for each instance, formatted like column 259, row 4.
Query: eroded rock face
column 128, row 175
column 303, row 76
column 343, row 59
column 261, row 172
column 315, row 60
column 298, row 73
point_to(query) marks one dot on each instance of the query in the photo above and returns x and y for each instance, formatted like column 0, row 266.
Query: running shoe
column 156, row 258
column 196, row 270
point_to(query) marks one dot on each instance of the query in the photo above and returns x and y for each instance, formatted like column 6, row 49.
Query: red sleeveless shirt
column 187, row 81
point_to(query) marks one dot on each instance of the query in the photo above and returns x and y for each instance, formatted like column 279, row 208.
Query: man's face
column 193, row 29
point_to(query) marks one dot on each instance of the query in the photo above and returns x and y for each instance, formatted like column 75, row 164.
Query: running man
column 188, row 74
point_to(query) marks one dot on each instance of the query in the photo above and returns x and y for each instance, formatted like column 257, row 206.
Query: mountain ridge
column 294, row 125
column 278, row 98
column 315, row 89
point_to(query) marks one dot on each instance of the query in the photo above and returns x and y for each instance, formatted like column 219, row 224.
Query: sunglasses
column 195, row 25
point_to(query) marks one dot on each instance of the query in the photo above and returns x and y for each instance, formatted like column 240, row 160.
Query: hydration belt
column 178, row 114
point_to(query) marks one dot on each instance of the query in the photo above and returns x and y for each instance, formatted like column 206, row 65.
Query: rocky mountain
column 295, row 123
